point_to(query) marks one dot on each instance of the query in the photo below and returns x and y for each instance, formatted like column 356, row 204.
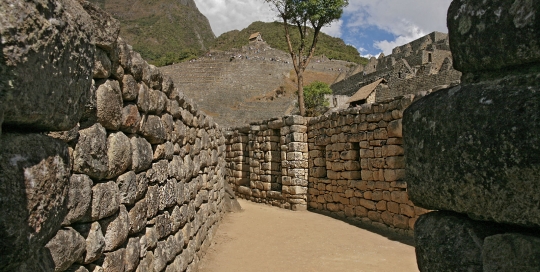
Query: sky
column 372, row 26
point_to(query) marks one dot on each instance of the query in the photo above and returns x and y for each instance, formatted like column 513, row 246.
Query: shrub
column 314, row 99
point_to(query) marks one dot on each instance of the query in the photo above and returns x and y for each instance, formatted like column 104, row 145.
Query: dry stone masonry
column 350, row 163
column 104, row 164
column 472, row 151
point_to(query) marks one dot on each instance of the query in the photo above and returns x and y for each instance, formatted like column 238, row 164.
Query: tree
column 315, row 102
column 300, row 13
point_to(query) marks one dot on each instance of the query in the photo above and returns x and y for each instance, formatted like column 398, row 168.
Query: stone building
column 255, row 37
column 424, row 64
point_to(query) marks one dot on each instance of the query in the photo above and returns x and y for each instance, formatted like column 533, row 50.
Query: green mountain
column 273, row 34
column 162, row 31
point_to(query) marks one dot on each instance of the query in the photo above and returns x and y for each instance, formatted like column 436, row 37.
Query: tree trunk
column 301, row 106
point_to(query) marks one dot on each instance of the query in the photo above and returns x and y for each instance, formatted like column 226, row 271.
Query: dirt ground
column 266, row 238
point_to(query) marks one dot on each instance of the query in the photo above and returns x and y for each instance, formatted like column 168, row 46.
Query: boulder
column 46, row 63
column 446, row 241
column 130, row 88
column 127, row 185
column 119, row 154
column 102, row 64
column 153, row 130
column 109, row 105
column 474, row 149
column 105, row 28
column 66, row 247
column 79, row 198
column 90, row 153
column 131, row 119
column 131, row 258
column 471, row 25
column 114, row 261
column 34, row 178
column 105, row 200
column 94, row 241
column 511, row 252
column 116, row 229
column 142, row 154
column 137, row 217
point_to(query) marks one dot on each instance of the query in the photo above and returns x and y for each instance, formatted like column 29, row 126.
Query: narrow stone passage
column 266, row 238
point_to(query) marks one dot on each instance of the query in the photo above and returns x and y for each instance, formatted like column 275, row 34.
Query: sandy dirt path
column 266, row 238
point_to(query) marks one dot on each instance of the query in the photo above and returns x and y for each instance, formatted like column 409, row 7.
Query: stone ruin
column 423, row 65
column 472, row 151
column 104, row 164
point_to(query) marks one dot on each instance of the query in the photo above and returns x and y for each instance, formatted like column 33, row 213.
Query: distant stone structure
column 255, row 37
column 422, row 65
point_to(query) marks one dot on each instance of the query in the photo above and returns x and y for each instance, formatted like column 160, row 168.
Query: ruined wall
column 268, row 162
column 349, row 163
column 136, row 184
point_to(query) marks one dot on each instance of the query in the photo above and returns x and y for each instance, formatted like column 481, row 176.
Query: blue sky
column 372, row 26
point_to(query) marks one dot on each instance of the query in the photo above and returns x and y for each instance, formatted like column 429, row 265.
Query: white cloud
column 333, row 29
column 226, row 15
column 406, row 19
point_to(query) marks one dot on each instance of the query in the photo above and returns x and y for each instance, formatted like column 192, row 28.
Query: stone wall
column 472, row 150
column 134, row 184
column 268, row 162
column 349, row 163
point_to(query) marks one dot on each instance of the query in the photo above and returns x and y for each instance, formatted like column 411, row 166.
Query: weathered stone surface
column 132, row 254
column 116, row 229
column 142, row 154
column 477, row 142
column 131, row 119
column 114, row 261
column 152, row 77
column 34, row 178
column 447, row 241
column 119, row 154
column 95, row 242
column 77, row 268
column 90, row 154
column 37, row 94
column 105, row 28
column 130, row 88
column 153, row 130
column 109, row 105
column 127, row 186
column 65, row 136
column 79, row 198
column 105, row 200
column 471, row 25
column 137, row 217
column 66, row 247
column 137, row 66
column 511, row 252
column 102, row 64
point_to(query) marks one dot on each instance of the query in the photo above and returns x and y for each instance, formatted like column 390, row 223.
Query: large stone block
column 66, row 247
column 511, row 252
column 105, row 200
column 90, row 154
column 46, row 63
column 475, row 48
column 446, row 241
column 109, row 105
column 34, row 178
column 79, row 198
column 119, row 154
column 142, row 154
column 116, row 229
column 474, row 149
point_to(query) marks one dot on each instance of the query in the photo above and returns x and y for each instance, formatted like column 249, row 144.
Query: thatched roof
column 365, row 91
column 254, row 35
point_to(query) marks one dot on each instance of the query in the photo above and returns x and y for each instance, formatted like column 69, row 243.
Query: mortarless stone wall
column 349, row 163
column 135, row 184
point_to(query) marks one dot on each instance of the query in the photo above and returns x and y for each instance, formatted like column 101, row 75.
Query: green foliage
column 162, row 31
column 314, row 99
column 273, row 34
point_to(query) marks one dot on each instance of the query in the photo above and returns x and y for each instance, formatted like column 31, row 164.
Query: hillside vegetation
column 273, row 34
column 163, row 31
